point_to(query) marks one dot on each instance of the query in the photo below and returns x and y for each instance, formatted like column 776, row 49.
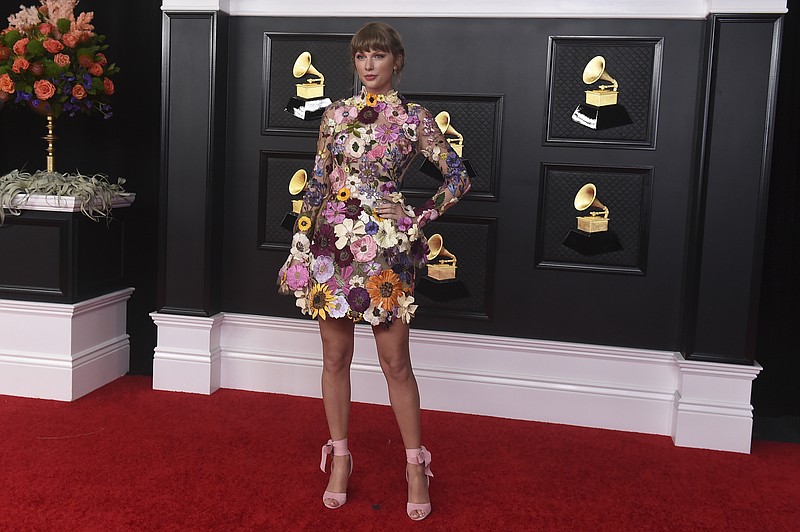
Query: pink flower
column 334, row 212
column 297, row 276
column 95, row 69
column 46, row 28
column 20, row 64
column 52, row 46
column 395, row 114
column 108, row 86
column 101, row 58
column 20, row 47
column 70, row 39
column 344, row 113
column 338, row 178
column 364, row 249
column 376, row 152
column 44, row 89
column 78, row 92
column 61, row 60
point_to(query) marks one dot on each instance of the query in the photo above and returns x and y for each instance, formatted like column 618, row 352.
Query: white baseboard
column 637, row 390
column 63, row 351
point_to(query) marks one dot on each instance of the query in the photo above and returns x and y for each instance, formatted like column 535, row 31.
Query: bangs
column 370, row 39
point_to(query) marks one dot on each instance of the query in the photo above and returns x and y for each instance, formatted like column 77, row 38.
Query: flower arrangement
column 54, row 61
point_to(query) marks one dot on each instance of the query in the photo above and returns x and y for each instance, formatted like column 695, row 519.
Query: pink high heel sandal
column 417, row 457
column 338, row 448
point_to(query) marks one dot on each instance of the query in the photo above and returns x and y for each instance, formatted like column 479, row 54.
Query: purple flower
column 387, row 133
column 404, row 223
column 323, row 268
column 404, row 269
column 352, row 208
column 358, row 298
column 371, row 227
column 368, row 115
column 324, row 241
column 343, row 257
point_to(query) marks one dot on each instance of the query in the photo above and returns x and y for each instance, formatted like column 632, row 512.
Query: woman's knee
column 397, row 368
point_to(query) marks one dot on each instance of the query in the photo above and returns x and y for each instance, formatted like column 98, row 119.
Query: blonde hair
column 379, row 37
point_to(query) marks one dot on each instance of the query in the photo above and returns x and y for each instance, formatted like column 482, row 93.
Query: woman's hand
column 391, row 207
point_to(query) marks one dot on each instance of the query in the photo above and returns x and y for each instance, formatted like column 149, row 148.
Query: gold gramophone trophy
column 601, row 109
column 297, row 184
column 440, row 283
column 309, row 101
column 456, row 141
column 592, row 236
column 445, row 266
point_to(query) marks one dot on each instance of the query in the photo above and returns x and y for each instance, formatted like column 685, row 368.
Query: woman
column 356, row 247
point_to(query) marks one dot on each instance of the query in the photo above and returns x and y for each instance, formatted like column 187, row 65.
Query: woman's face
column 375, row 70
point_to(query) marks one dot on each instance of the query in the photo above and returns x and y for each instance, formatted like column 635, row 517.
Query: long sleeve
column 433, row 145
column 318, row 186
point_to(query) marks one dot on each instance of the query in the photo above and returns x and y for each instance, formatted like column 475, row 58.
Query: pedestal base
column 63, row 351
column 604, row 117
column 310, row 109
column 592, row 243
column 445, row 290
column 289, row 220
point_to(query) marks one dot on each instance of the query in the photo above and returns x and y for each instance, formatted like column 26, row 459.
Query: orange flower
column 108, row 86
column 20, row 64
column 7, row 84
column 95, row 69
column 53, row 46
column 343, row 194
column 384, row 289
column 79, row 92
column 44, row 89
column 61, row 60
column 372, row 99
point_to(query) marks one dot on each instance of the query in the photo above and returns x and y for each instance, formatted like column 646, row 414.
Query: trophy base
column 441, row 290
column 592, row 243
column 592, row 224
column 604, row 117
column 307, row 109
column 432, row 170
column 289, row 220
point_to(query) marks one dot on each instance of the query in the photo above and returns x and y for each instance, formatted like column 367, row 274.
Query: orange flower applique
column 384, row 289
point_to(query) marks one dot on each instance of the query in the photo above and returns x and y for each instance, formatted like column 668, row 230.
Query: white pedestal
column 63, row 351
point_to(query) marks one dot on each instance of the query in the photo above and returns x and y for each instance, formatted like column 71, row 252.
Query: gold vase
column 46, row 110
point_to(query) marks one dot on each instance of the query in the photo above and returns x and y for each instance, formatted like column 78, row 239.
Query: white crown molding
column 479, row 8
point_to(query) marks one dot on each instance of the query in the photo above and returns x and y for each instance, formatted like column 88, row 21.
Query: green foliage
column 35, row 48
column 94, row 193
column 11, row 37
column 63, row 25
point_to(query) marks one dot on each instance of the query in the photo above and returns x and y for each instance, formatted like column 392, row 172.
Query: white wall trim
column 63, row 351
column 480, row 8
column 637, row 390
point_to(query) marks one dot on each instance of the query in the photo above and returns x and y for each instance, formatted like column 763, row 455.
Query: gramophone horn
column 298, row 182
column 303, row 66
column 443, row 121
column 587, row 197
column 596, row 70
column 437, row 249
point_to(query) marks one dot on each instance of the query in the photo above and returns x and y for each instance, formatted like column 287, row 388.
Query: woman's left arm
column 433, row 145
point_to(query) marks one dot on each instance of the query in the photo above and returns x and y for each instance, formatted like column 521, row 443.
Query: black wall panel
column 507, row 58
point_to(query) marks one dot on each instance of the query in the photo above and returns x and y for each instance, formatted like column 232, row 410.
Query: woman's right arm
column 318, row 186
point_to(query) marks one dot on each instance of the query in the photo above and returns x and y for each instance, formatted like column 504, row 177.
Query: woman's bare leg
column 395, row 359
column 337, row 354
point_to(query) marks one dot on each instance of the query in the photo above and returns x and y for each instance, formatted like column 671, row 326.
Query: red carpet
column 129, row 458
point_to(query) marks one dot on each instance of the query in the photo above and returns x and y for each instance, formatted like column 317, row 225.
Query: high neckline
column 371, row 99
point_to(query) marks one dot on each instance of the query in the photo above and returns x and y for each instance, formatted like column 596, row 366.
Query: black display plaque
column 634, row 62
column 330, row 54
column 625, row 191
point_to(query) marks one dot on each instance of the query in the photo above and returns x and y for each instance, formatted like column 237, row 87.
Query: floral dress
column 345, row 260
